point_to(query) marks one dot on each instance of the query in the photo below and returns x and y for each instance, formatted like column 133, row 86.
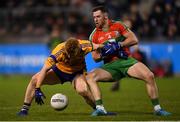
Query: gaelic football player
column 117, row 59
column 66, row 63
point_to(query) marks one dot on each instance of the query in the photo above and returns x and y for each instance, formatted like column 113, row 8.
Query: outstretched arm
column 38, row 93
column 96, row 51
column 97, row 46
column 42, row 75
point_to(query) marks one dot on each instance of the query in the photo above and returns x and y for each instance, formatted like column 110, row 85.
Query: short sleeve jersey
column 59, row 58
column 116, row 29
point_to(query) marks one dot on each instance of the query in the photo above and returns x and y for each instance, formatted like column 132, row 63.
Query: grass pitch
column 130, row 102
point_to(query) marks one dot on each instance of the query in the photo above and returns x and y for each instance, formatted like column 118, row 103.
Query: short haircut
column 101, row 8
column 72, row 46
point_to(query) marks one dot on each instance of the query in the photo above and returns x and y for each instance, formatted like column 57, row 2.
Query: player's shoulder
column 58, row 48
column 118, row 22
column 83, row 41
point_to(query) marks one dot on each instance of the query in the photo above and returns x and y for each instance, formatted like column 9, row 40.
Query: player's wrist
column 112, row 40
column 101, row 45
column 120, row 44
column 101, row 57
column 120, row 38
column 38, row 88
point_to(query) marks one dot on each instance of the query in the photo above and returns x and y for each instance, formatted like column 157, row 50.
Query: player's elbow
column 134, row 40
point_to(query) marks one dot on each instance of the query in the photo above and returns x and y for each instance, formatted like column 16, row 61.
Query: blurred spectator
column 60, row 3
column 163, row 68
column 145, row 31
column 2, row 31
column 29, row 29
column 156, row 20
column 135, row 17
column 82, row 7
column 73, row 22
column 161, row 21
column 159, row 70
column 55, row 37
column 168, row 67
column 171, row 28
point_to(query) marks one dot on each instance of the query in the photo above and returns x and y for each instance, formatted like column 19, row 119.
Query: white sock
column 101, row 107
column 157, row 107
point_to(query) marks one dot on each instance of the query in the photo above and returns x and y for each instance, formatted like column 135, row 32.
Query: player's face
column 99, row 18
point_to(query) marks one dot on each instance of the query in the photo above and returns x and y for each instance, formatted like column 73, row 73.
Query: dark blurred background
column 27, row 21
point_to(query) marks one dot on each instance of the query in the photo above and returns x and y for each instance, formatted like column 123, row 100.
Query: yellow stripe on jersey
column 59, row 58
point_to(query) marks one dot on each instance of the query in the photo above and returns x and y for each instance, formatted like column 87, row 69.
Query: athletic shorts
column 119, row 68
column 65, row 77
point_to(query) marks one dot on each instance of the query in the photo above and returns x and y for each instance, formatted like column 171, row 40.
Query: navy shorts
column 64, row 77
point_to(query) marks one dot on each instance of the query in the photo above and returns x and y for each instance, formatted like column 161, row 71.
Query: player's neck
column 106, row 26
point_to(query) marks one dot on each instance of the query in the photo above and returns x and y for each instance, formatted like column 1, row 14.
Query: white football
column 59, row 101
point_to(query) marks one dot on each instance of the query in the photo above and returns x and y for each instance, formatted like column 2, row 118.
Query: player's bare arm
column 130, row 40
column 97, row 46
column 95, row 53
column 42, row 75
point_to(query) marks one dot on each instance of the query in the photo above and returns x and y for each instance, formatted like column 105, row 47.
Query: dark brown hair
column 101, row 8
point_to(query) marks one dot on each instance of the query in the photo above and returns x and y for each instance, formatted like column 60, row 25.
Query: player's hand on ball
column 39, row 96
